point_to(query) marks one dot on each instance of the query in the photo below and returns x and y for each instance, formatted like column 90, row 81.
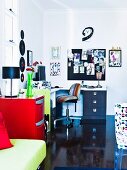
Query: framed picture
column 29, row 58
column 55, row 52
column 115, row 58
column 54, row 69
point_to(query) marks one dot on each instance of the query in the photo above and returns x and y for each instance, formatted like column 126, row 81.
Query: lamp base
column 98, row 86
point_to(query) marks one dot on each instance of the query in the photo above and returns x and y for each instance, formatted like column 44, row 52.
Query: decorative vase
column 29, row 92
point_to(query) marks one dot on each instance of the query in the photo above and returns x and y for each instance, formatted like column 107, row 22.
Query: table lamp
column 10, row 73
column 98, row 77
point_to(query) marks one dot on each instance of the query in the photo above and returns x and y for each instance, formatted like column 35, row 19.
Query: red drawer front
column 21, row 118
column 40, row 132
column 34, row 133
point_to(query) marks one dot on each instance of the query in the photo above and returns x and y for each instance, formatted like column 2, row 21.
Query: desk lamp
column 10, row 73
column 98, row 77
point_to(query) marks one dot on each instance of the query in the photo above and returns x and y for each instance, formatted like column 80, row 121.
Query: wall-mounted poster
column 54, row 69
column 55, row 52
column 83, row 64
column 115, row 58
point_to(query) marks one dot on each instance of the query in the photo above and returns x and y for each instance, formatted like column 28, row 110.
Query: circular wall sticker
column 22, row 34
column 22, row 64
column 87, row 32
column 22, row 47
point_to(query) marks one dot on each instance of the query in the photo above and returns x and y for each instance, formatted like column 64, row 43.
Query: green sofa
column 26, row 154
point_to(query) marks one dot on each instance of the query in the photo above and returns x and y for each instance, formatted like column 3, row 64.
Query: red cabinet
column 24, row 117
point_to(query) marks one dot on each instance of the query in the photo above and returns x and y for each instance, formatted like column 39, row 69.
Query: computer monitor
column 41, row 73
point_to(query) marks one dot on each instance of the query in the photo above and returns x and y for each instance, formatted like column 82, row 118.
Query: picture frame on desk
column 29, row 58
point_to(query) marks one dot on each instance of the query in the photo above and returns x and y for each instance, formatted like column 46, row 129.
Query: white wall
column 110, row 30
column 31, row 21
column 2, row 38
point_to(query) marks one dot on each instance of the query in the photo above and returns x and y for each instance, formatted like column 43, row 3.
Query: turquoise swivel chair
column 72, row 97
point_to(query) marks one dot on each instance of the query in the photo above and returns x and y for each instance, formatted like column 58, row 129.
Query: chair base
column 68, row 119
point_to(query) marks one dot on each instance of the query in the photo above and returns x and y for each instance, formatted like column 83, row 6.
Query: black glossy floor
column 87, row 145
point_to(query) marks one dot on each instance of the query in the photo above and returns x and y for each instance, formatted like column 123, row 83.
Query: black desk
column 92, row 104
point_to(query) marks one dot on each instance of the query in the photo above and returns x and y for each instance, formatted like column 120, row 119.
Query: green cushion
column 26, row 154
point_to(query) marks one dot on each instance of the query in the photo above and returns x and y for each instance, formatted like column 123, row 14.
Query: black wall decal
column 22, row 34
column 22, row 64
column 22, row 77
column 87, row 32
column 22, row 47
column 22, row 52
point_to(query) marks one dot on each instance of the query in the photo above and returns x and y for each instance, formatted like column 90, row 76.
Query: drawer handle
column 94, row 110
column 94, row 101
column 94, row 130
column 40, row 101
column 94, row 93
column 93, row 137
column 40, row 122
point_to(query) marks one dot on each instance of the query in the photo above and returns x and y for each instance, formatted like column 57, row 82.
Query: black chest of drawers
column 94, row 104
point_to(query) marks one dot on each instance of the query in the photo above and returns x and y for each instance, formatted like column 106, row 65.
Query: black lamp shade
column 10, row 72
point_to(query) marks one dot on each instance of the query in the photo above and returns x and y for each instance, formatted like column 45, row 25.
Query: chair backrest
column 75, row 90
column 121, row 125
